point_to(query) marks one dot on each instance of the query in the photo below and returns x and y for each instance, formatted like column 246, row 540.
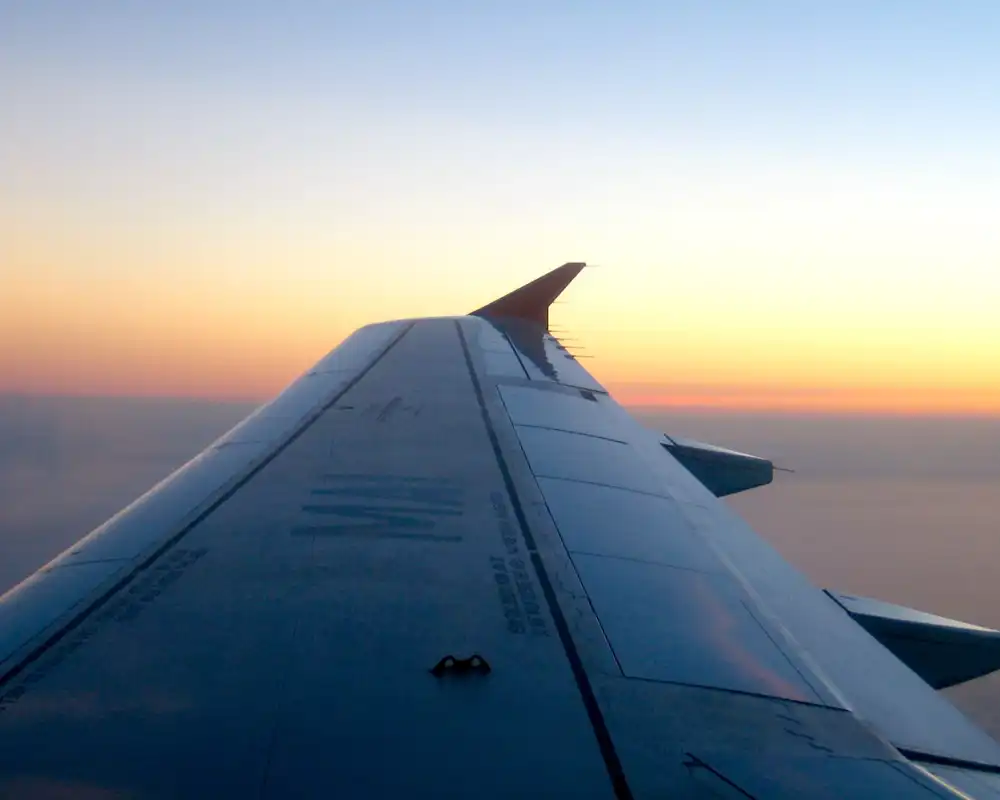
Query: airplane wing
column 446, row 563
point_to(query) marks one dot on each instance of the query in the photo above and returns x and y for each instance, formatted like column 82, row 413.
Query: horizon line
column 681, row 404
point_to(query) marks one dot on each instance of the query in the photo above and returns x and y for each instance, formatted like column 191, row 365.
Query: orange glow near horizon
column 247, row 342
column 818, row 400
column 108, row 301
column 245, row 335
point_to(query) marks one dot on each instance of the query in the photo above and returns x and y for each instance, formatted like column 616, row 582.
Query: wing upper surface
column 267, row 620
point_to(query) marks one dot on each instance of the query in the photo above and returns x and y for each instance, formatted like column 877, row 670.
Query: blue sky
column 584, row 93
column 731, row 71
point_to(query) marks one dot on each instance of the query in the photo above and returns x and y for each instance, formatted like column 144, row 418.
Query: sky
column 791, row 206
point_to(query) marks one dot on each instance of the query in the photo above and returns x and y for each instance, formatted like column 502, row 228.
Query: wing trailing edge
column 531, row 302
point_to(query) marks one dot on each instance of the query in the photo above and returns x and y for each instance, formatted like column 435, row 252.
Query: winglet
column 531, row 302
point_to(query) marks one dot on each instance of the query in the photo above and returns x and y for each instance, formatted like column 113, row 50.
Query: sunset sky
column 791, row 206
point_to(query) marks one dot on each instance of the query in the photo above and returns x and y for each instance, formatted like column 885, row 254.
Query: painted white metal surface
column 822, row 776
column 601, row 520
column 975, row 784
column 28, row 610
column 869, row 606
column 359, row 349
column 489, row 338
column 274, row 421
column 870, row 680
column 557, row 454
column 170, row 503
column 503, row 365
column 684, row 626
column 567, row 412
column 692, row 443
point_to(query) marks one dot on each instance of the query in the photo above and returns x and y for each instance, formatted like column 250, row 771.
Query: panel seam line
column 616, row 772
